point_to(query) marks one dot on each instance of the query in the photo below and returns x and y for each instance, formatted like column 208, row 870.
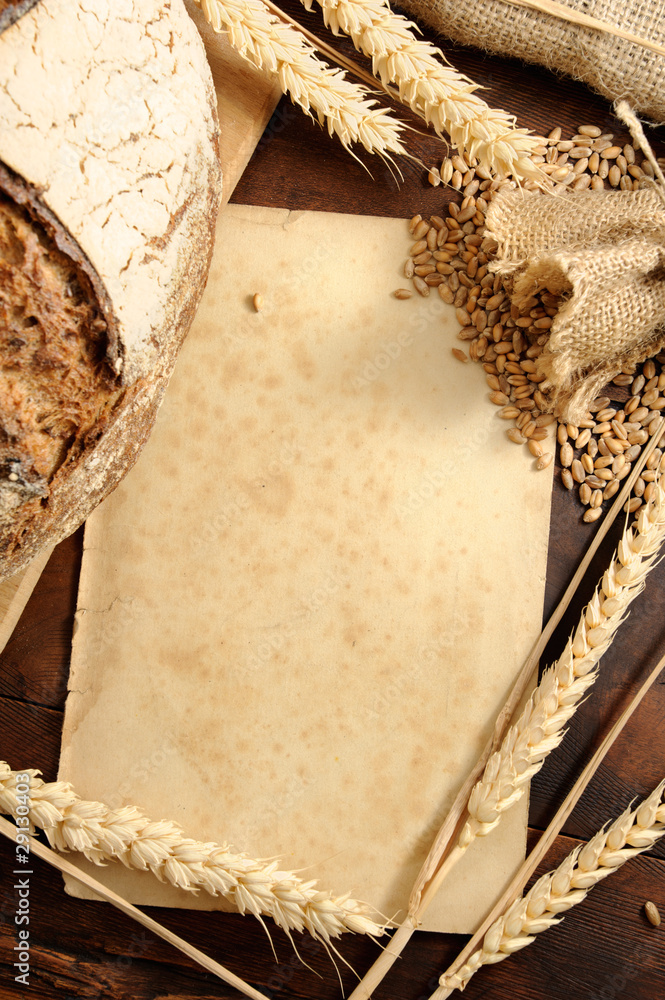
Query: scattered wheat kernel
column 614, row 176
column 592, row 514
column 421, row 287
column 544, row 461
column 611, row 489
column 460, row 355
column 413, row 223
column 422, row 258
column 610, row 152
column 596, row 499
column 587, row 463
column 653, row 916
column 585, row 493
column 535, row 448
column 590, row 130
column 509, row 413
column 606, row 413
column 567, row 479
column 566, row 455
column 257, row 302
column 561, row 434
column 578, row 471
column 577, row 152
column 632, row 505
column 516, row 436
column 499, row 398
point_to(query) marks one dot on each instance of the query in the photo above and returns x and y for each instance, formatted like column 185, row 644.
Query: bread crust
column 138, row 221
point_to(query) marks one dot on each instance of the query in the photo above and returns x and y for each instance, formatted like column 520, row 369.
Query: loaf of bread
column 109, row 189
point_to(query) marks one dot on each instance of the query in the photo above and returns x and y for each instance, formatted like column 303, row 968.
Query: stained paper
column 301, row 611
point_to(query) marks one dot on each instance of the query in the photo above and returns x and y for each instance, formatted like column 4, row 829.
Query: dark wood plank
column 30, row 736
column 35, row 662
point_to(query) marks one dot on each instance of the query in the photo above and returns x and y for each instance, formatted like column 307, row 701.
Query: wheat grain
column 442, row 96
column 256, row 887
column 540, row 727
column 635, row 831
column 324, row 93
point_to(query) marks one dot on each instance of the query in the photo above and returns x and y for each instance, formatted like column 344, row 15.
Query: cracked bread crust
column 106, row 236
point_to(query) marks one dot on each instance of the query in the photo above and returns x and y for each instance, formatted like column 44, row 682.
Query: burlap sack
column 615, row 68
column 604, row 253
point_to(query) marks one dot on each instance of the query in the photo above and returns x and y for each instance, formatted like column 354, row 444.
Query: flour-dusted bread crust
column 109, row 190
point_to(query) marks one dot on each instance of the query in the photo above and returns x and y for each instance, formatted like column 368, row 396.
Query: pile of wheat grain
column 451, row 254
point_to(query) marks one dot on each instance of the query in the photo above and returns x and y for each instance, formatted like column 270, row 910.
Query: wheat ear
column 437, row 92
column 322, row 92
column 540, row 727
column 256, row 887
column 633, row 832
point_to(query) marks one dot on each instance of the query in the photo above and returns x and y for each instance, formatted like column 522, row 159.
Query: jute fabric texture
column 613, row 67
column 603, row 252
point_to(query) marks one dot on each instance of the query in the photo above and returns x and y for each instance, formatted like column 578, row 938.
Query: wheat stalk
column 125, row 834
column 632, row 833
column 322, row 92
column 540, row 727
column 435, row 90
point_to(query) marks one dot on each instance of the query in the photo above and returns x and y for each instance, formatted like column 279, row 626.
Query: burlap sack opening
column 616, row 68
column 603, row 252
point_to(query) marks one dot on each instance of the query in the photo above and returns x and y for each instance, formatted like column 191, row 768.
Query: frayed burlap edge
column 603, row 253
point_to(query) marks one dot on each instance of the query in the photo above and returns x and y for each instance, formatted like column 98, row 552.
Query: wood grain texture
column 14, row 594
column 605, row 948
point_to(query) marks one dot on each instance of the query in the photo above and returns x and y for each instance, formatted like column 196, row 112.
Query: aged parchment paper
column 301, row 611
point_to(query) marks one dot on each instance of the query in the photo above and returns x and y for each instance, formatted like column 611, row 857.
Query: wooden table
column 605, row 948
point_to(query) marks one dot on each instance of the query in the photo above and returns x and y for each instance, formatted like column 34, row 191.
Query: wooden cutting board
column 246, row 99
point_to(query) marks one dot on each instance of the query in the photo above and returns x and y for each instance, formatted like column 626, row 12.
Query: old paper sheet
column 301, row 611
